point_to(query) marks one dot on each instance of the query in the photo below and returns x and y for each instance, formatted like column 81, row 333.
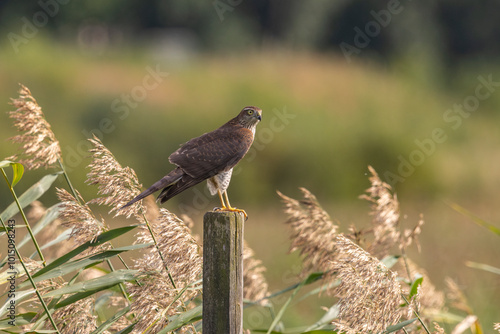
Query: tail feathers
column 167, row 181
column 176, row 188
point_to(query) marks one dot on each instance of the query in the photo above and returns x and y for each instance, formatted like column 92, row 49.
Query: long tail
column 167, row 181
column 185, row 182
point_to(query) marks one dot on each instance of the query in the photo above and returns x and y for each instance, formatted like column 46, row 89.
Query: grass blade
column 85, row 262
column 127, row 329
column 399, row 326
column 49, row 216
column 30, row 195
column 96, row 284
column 390, row 260
column 475, row 218
column 320, row 289
column 102, row 238
column 17, row 170
column 414, row 285
column 310, row 279
column 186, row 318
column 21, row 319
column 326, row 319
column 20, row 295
column 105, row 325
column 482, row 266
column 61, row 237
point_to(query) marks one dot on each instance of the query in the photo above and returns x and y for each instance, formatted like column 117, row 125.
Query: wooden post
column 223, row 272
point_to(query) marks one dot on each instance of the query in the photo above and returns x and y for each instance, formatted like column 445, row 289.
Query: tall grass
column 371, row 283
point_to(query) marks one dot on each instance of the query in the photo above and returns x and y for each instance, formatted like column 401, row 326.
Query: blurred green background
column 411, row 88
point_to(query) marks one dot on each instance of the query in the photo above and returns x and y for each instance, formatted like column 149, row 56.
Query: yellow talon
column 229, row 207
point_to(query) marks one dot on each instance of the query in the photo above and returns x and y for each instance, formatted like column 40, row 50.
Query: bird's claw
column 231, row 209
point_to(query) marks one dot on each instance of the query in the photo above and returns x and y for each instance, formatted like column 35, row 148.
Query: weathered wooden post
column 222, row 272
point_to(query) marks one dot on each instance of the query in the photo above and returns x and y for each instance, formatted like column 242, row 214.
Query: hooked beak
column 259, row 115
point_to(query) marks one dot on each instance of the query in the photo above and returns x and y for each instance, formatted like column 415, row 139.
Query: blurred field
column 324, row 122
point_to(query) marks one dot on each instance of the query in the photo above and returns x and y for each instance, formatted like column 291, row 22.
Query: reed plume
column 385, row 213
column 116, row 184
column 439, row 329
column 155, row 298
column 312, row 231
column 76, row 317
column 40, row 147
column 430, row 299
column 255, row 286
column 369, row 292
column 77, row 216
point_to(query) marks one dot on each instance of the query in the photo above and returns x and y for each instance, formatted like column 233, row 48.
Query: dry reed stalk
column 77, row 216
column 430, row 300
column 43, row 287
column 439, row 329
column 456, row 297
column 386, row 219
column 313, row 232
column 40, row 147
column 465, row 324
column 76, row 318
column 385, row 212
column 116, row 184
column 255, row 286
column 37, row 210
column 369, row 292
column 153, row 300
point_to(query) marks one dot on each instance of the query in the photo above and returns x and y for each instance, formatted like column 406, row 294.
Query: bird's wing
column 213, row 152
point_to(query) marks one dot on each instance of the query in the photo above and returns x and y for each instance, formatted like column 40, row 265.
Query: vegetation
column 83, row 284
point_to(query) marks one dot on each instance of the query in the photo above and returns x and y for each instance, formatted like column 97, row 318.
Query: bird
column 212, row 157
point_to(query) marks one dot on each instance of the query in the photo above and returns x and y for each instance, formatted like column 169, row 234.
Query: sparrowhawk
column 210, row 157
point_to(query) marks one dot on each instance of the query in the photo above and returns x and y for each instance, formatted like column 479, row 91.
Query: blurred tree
column 446, row 30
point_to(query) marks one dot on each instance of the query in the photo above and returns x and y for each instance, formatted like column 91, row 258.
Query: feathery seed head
column 76, row 317
column 37, row 210
column 179, row 249
column 152, row 302
column 154, row 299
column 385, row 212
column 456, row 296
column 79, row 217
column 369, row 292
column 116, row 184
column 439, row 329
column 430, row 299
column 254, row 283
column 312, row 232
column 39, row 145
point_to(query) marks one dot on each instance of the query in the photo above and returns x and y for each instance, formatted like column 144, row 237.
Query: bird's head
column 249, row 117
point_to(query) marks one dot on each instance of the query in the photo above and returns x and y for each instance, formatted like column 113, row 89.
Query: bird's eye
column 250, row 112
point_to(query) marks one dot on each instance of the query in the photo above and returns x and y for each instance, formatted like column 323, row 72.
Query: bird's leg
column 230, row 208
column 221, row 200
